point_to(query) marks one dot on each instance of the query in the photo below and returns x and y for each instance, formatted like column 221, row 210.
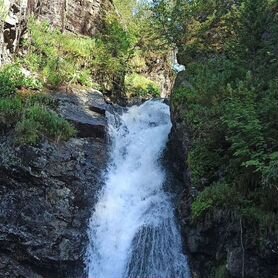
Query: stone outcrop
column 83, row 17
column 86, row 110
column 13, row 16
column 47, row 194
column 80, row 17
column 160, row 71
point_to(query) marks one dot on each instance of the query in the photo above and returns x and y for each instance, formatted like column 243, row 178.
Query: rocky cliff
column 80, row 17
column 47, row 193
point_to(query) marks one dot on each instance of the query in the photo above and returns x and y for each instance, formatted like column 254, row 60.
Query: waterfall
column 133, row 233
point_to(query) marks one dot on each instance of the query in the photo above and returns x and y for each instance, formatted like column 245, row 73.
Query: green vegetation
column 138, row 85
column 230, row 104
column 102, row 62
column 147, row 46
column 28, row 112
column 215, row 196
column 12, row 78
column 58, row 58
column 114, row 61
column 39, row 121
column 67, row 59
column 221, row 272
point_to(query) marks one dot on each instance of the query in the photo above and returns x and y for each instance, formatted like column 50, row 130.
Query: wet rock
column 86, row 110
column 47, row 194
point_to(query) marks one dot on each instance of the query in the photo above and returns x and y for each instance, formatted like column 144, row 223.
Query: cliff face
column 80, row 17
column 47, row 194
column 219, row 245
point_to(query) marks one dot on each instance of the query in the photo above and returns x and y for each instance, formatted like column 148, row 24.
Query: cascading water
column 132, row 231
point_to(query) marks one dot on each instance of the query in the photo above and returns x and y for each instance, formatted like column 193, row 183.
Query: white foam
column 132, row 231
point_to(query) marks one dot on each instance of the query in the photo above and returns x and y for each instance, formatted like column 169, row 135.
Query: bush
column 139, row 85
column 12, row 78
column 28, row 132
column 26, row 110
column 11, row 110
column 39, row 122
column 219, row 195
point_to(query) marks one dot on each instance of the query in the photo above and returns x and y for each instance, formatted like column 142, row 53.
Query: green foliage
column 59, row 58
column 27, row 132
column 3, row 10
column 266, row 220
column 10, row 111
column 138, row 85
column 40, row 122
column 12, row 78
column 27, row 111
column 66, row 59
column 221, row 272
column 230, row 105
column 219, row 195
column 146, row 43
column 110, row 63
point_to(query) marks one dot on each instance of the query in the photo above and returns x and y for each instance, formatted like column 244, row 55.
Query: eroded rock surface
column 47, row 194
column 84, row 17
column 81, row 17
column 86, row 110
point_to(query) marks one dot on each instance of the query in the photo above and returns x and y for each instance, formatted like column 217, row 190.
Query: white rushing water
column 133, row 233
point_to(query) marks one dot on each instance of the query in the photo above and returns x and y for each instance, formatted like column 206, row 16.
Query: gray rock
column 47, row 194
column 79, row 17
column 86, row 110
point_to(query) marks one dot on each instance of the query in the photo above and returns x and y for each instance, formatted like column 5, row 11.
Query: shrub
column 26, row 110
column 28, row 132
column 219, row 195
column 59, row 58
column 11, row 110
column 39, row 122
column 139, row 85
column 13, row 78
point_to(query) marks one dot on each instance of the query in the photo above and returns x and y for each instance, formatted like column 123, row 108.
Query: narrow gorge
column 133, row 231
column 138, row 139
